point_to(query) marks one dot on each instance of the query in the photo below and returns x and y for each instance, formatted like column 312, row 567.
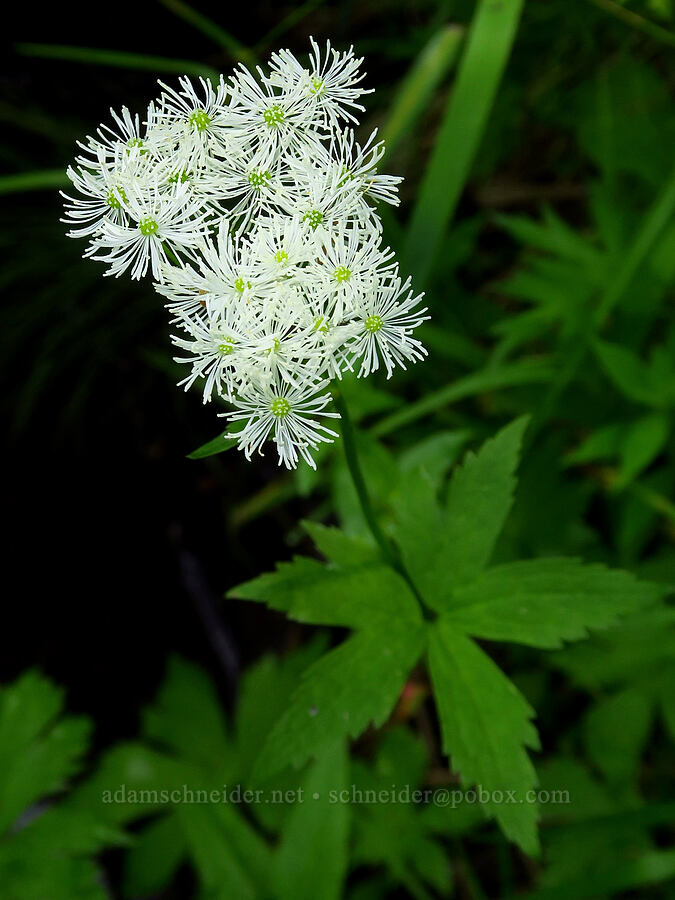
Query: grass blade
column 296, row 15
column 212, row 30
column 518, row 373
column 634, row 20
column 489, row 42
column 33, row 181
column 117, row 58
column 418, row 86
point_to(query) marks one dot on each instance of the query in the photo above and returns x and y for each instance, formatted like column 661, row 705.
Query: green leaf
column 46, row 180
column 342, row 693
column 488, row 46
column 117, row 59
column 649, row 868
column 543, row 602
column 616, row 731
column 632, row 377
column 485, row 724
column 47, row 858
column 216, row 445
column 444, row 548
column 38, row 752
column 667, row 701
column 418, row 86
column 644, row 440
column 435, row 454
column 266, row 688
column 641, row 647
column 228, row 853
column 340, row 548
column 527, row 371
column 212, row 30
column 186, row 717
column 358, row 596
column 154, row 858
column 311, row 862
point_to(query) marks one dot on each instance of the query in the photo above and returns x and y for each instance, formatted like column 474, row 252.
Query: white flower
column 214, row 349
column 102, row 197
column 358, row 165
column 386, row 322
column 131, row 137
column 256, row 211
column 202, row 122
column 274, row 119
column 350, row 262
column 324, row 200
column 330, row 83
column 289, row 414
column 282, row 246
column 157, row 221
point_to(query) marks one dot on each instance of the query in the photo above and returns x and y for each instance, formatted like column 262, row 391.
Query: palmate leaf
column 38, row 752
column 358, row 682
column 446, row 547
column 311, row 863
column 342, row 693
column 48, row 852
column 354, row 597
column 188, row 746
column 543, row 602
column 399, row 835
column 486, row 726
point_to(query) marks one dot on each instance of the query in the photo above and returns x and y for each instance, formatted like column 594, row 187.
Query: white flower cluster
column 254, row 208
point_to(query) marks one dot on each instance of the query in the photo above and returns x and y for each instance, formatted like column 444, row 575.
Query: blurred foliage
column 539, row 209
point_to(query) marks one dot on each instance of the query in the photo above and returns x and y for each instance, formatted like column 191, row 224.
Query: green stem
column 389, row 550
column 634, row 20
column 351, row 454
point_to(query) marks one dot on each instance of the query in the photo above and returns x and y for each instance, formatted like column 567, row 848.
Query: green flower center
column 276, row 344
column 148, row 226
column 258, row 178
column 274, row 115
column 373, row 324
column 240, row 285
column 316, row 86
column 136, row 142
column 314, row 217
column 113, row 198
column 200, row 119
column 320, row 324
column 346, row 175
column 179, row 176
column 280, row 407
column 281, row 256
column 342, row 274
column 227, row 346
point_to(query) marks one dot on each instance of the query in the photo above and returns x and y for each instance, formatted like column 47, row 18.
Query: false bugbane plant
column 254, row 209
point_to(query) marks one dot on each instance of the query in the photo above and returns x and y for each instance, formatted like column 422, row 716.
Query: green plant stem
column 116, row 58
column 352, row 457
column 48, row 179
column 296, row 15
column 636, row 21
column 389, row 549
column 212, row 30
